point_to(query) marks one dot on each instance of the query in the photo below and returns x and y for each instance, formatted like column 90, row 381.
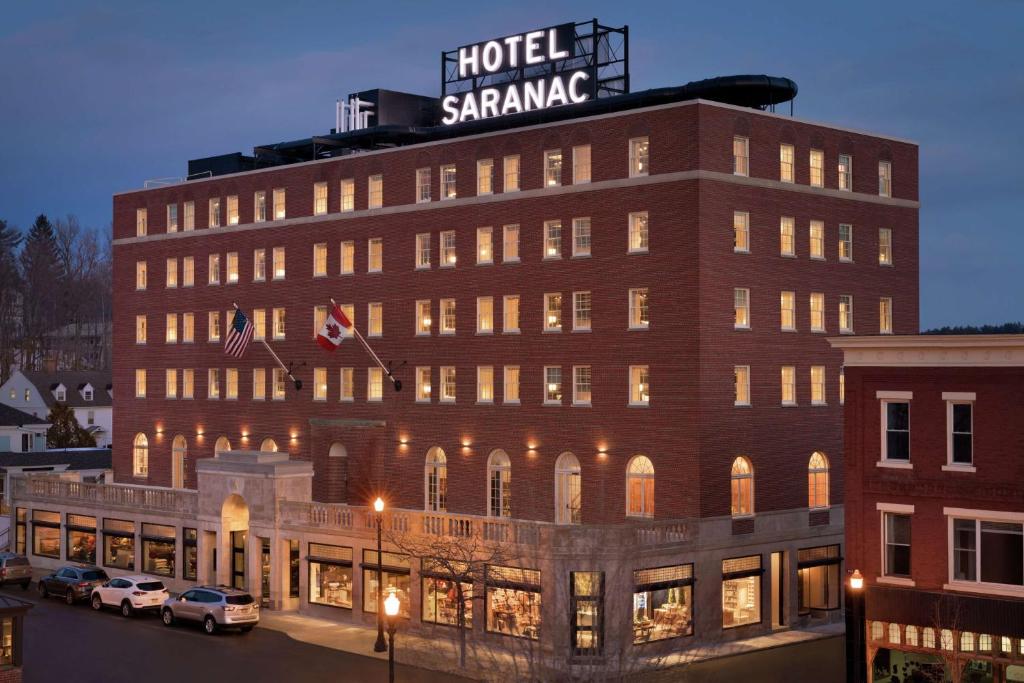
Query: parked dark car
column 15, row 568
column 72, row 583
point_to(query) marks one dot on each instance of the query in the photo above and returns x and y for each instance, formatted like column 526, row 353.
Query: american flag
column 239, row 335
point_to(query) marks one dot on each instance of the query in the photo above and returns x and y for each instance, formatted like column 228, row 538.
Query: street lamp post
column 391, row 608
column 380, row 645
column 856, row 647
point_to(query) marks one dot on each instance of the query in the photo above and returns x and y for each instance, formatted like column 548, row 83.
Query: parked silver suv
column 15, row 568
column 216, row 607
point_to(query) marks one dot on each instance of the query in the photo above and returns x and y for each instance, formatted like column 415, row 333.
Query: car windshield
column 17, row 562
column 151, row 586
column 95, row 575
column 238, row 599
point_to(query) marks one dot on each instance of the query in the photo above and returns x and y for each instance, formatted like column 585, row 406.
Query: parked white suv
column 130, row 593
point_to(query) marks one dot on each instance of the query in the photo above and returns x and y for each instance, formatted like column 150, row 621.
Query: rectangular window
column 232, row 267
column 140, row 384
column 512, row 384
column 259, row 202
column 187, row 383
column 817, row 312
column 448, row 249
column 484, row 315
column 817, row 168
column 553, row 167
column 140, row 329
column 511, row 173
column 740, row 155
column 885, row 315
column 319, row 384
column 581, row 303
column 896, row 528
column 638, row 233
column 552, row 312
column 786, row 153
column 278, row 316
column 213, row 326
column 448, row 385
column 960, row 431
column 742, row 381
column 422, row 185
column 374, row 384
column 787, row 241
column 348, row 194
column 741, row 232
column 818, row 583
column 885, row 246
column 330, row 574
column 581, row 385
column 587, row 612
column 817, row 239
column 375, row 255
column 423, row 320
column 741, row 297
column 395, row 577
column 346, row 384
column 375, row 319
column 231, row 383
column 484, row 246
column 140, row 223
column 171, row 383
column 580, row 237
column 639, row 157
column 662, row 603
column 581, row 164
column 999, row 557
column 484, row 176
column 884, row 179
column 140, row 275
column 172, row 273
column 896, row 415
column 510, row 244
column 842, row 386
column 348, row 258
column 259, row 384
column 172, row 218
column 279, row 263
column 788, row 385
column 259, row 324
column 213, row 383
column 510, row 317
column 638, row 316
column 448, row 184
column 639, row 385
column 119, row 535
column 375, row 192
column 423, row 385
column 277, row 386
column 279, row 204
column 818, row 385
column 513, row 601
column 741, row 591
column 188, row 271
column 845, row 242
column 447, row 311
column 171, row 329
column 213, row 273
column 552, row 239
column 189, row 223
column 787, row 305
column 845, row 172
column 553, row 385
column 320, row 260
column 484, row 384
column 441, row 595
column 259, row 265
column 423, row 251
column 845, row 314
column 319, row 199
column 233, row 210
column 45, row 535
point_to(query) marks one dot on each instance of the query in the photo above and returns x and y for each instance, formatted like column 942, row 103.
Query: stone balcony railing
column 137, row 498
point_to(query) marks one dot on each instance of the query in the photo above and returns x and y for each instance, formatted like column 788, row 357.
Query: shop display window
column 330, row 575
column 513, row 601
column 81, row 539
column 119, row 544
column 741, row 591
column 46, row 533
column 190, row 548
column 395, row 575
column 662, row 603
column 587, row 591
column 818, row 583
column 158, row 549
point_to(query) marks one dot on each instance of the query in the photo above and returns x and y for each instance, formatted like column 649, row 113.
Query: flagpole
column 296, row 382
column 376, row 358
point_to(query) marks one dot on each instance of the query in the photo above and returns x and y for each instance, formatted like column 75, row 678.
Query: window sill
column 581, row 404
column 639, row 405
column 959, row 468
column 819, row 404
column 636, row 251
column 552, row 404
column 986, row 588
column 485, row 403
column 895, row 581
column 511, row 260
column 510, row 403
column 559, row 331
column 740, row 251
column 581, row 255
column 788, row 255
column 790, row 404
column 787, row 329
column 746, row 516
column 515, row 331
column 846, row 260
column 586, row 330
column 641, row 328
column 484, row 333
column 485, row 263
column 427, row 267
column 741, row 327
column 818, row 258
column 894, row 464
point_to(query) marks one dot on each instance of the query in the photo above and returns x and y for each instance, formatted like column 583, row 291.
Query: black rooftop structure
column 12, row 417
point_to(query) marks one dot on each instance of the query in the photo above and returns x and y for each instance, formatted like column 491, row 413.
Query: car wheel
column 126, row 609
column 246, row 629
column 167, row 616
column 69, row 597
column 97, row 602
column 42, row 590
column 209, row 625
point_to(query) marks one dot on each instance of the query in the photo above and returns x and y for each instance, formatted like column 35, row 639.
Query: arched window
column 499, row 484
column 179, row 449
column 568, row 499
column 435, row 480
column 268, row 445
column 946, row 639
column 337, row 451
column 742, row 487
column 817, row 481
column 967, row 642
column 911, row 632
column 140, row 456
column 640, row 487
column 928, row 637
column 222, row 445
column 894, row 633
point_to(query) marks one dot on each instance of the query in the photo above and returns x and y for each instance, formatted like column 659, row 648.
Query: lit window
column 659, row 591
column 213, row 383
column 911, row 632
column 787, row 242
column 639, row 385
column 279, row 265
column 510, row 322
column 484, row 246
column 818, row 385
column 259, row 202
column 348, row 258
column 741, row 232
column 484, row 176
column 845, row 242
column 568, row 490
column 277, row 379
column 423, row 321
column 885, row 315
column 885, row 246
column 552, row 239
column 510, row 244
column 740, row 155
column 140, row 275
column 278, row 316
column 213, row 326
column 140, row 222
column 845, row 172
column 946, row 638
column 581, row 164
column 817, row 168
column 553, row 167
column 319, row 199
column 171, row 335
column 448, row 249
column 640, row 487
column 448, row 189
column 140, row 384
column 435, row 483
column 447, row 311
column 960, row 431
column 788, row 385
column 190, row 217
column 375, row 192
column 319, row 318
column 259, row 265
column 894, row 633
column 140, row 329
column 484, row 315
column 232, row 267
column 374, row 384
column 233, row 210
column 140, row 456
column 896, row 530
column 348, row 194
column 581, row 303
column 448, row 385
column 512, row 384
column 499, row 484
column 817, row 239
column 845, row 314
column 320, row 260
column 172, row 218
column 553, row 384
column 375, row 319
column 259, row 384
column 422, row 185
column 741, row 305
column 213, row 274
column 259, row 324
column 638, row 232
column 375, row 255
column 188, row 271
column 638, row 316
column 279, row 204
column 842, row 386
column 817, row 312
column 742, row 382
column 927, row 637
column 485, row 384
column 172, row 273
column 231, row 384
column 742, row 485
column 552, row 312
column 346, row 384
column 581, row 375
column 884, row 179
column 787, row 306
column 187, row 383
column 423, row 385
column 511, row 173
column 786, row 163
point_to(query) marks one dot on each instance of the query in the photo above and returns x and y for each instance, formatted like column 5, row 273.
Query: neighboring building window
column 441, row 595
column 788, row 376
column 740, row 155
column 817, row 162
column 741, row 591
column 423, row 385
column 375, row 255
column 742, row 487
column 639, row 385
column 553, row 312
column 818, row 385
column 568, row 490
column 232, row 267
column 662, row 603
column 140, row 223
column 510, row 244
column 639, row 157
column 885, row 315
column 278, row 315
column 638, row 233
column 172, row 218
column 448, row 249
column 640, row 487
column 320, row 260
column 885, row 246
column 233, row 210
column 140, row 456
column 188, row 271
column 912, row 639
column 581, row 383
column 484, row 246
column 553, row 167
column 188, row 384
column 171, row 383
column 348, row 194
column 140, row 383
column 140, row 275
column 553, row 385
column 845, row 172
column 423, row 320
column 897, row 430
column 742, row 381
column 259, row 384
column 960, row 421
column 741, row 305
column 511, row 384
column 374, row 384
column 259, row 201
column 319, row 384
column 448, row 386
column 499, row 484
column 448, row 186
column 279, row 263
column 787, row 243
column 171, row 329
column 741, row 232
column 896, row 528
column 846, row 314
column 277, row 384
column 638, row 313
column 259, row 265
column 817, row 312
column 884, row 179
column 787, row 309
column 581, row 164
column 213, row 383
column 511, row 173
column 213, row 326
column 817, row 481
column 510, row 319
column 927, row 637
column 140, row 329
column 231, row 384
column 845, row 242
column 375, row 193
column 484, row 176
column 581, row 303
column 259, row 324
column 190, row 217
column 447, row 311
column 348, row 258
column 552, row 239
column 422, row 185
column 347, row 384
column 817, row 239
column 485, row 384
column 988, row 551
column 213, row 274
column 484, row 315
column 375, row 319
column 580, row 237
column 786, row 154
column 395, row 577
column 279, row 204
column 330, row 575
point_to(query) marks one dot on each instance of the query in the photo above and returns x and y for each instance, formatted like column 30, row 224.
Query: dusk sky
column 99, row 97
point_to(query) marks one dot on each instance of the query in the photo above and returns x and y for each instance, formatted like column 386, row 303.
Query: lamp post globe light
column 391, row 609
column 380, row 645
column 856, row 645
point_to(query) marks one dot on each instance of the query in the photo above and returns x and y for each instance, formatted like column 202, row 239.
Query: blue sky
column 98, row 97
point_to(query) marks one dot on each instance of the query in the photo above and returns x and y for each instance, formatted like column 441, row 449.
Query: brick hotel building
column 611, row 327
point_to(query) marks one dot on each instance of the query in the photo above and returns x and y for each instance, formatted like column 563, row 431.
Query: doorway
column 265, row 572
column 778, row 589
column 238, row 540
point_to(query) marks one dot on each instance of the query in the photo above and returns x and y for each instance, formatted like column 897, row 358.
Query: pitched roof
column 46, row 382
column 74, row 458
column 12, row 417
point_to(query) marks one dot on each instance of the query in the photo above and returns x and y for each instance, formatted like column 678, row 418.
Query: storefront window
column 293, row 568
column 46, row 533
column 587, row 591
column 662, row 603
column 21, row 515
column 396, row 580
column 741, row 591
column 81, row 531
column 6, row 642
column 119, row 544
column 189, row 544
column 440, row 594
column 513, row 601
column 330, row 575
column 818, row 578
column 158, row 553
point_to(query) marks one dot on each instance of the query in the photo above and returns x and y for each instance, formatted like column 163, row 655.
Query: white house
column 89, row 393
column 21, row 432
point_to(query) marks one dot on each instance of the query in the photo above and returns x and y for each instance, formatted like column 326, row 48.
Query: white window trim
column 884, row 398
column 983, row 516
column 578, row 402
column 953, row 398
column 900, row 509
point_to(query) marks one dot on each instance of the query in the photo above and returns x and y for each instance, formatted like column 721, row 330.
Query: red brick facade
column 691, row 430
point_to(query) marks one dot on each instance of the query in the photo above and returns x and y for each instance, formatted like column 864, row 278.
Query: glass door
column 238, row 539
column 778, row 589
column 265, row 572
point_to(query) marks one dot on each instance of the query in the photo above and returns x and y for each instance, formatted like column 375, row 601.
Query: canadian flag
column 335, row 329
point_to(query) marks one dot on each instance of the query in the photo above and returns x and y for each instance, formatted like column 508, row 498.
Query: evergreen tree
column 64, row 431
column 43, row 285
column 10, row 298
